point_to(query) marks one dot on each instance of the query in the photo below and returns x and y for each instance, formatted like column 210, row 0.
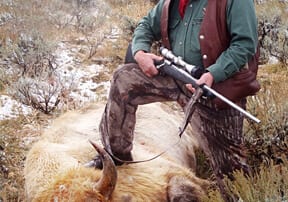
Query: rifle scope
column 193, row 70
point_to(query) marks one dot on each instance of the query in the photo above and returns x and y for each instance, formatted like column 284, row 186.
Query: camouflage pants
column 219, row 132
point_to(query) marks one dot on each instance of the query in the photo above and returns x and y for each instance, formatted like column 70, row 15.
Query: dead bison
column 54, row 168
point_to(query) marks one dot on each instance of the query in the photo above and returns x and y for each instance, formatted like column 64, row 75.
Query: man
column 219, row 131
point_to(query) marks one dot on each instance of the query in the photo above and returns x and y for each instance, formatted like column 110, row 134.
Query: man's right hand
column 146, row 62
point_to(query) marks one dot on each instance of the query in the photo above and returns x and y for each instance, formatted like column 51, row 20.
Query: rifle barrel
column 232, row 104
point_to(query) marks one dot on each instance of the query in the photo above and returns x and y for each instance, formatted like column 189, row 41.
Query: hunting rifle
column 177, row 68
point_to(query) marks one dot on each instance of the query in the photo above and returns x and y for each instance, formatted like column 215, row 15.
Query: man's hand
column 206, row 78
column 146, row 62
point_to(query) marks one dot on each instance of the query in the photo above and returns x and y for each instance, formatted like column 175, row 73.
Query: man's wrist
column 138, row 54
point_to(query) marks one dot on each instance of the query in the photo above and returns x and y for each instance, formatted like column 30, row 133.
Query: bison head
column 80, row 183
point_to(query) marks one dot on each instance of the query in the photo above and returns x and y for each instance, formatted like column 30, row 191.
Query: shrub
column 270, row 183
column 273, row 31
column 38, row 93
column 268, row 140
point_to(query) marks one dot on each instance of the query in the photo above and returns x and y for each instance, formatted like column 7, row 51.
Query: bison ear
column 108, row 179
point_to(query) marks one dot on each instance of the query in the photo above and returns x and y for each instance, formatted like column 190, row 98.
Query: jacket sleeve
column 148, row 30
column 242, row 26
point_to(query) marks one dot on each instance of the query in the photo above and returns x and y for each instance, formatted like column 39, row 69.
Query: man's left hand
column 206, row 78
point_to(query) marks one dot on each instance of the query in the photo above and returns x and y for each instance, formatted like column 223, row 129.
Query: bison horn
column 107, row 182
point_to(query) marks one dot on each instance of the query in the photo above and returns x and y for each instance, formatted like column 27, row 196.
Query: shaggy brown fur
column 54, row 166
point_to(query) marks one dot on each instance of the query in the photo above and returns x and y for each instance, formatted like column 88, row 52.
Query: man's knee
column 124, row 71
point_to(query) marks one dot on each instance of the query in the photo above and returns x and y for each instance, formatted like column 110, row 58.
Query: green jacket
column 184, row 34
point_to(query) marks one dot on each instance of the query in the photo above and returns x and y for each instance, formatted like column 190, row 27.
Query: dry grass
column 269, row 184
column 268, row 140
column 15, row 136
column 272, row 9
column 12, row 155
column 127, row 15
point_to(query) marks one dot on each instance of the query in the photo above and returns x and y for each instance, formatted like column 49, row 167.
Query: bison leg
column 182, row 189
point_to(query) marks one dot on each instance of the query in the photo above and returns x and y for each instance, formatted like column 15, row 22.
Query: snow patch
column 11, row 108
column 73, row 75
